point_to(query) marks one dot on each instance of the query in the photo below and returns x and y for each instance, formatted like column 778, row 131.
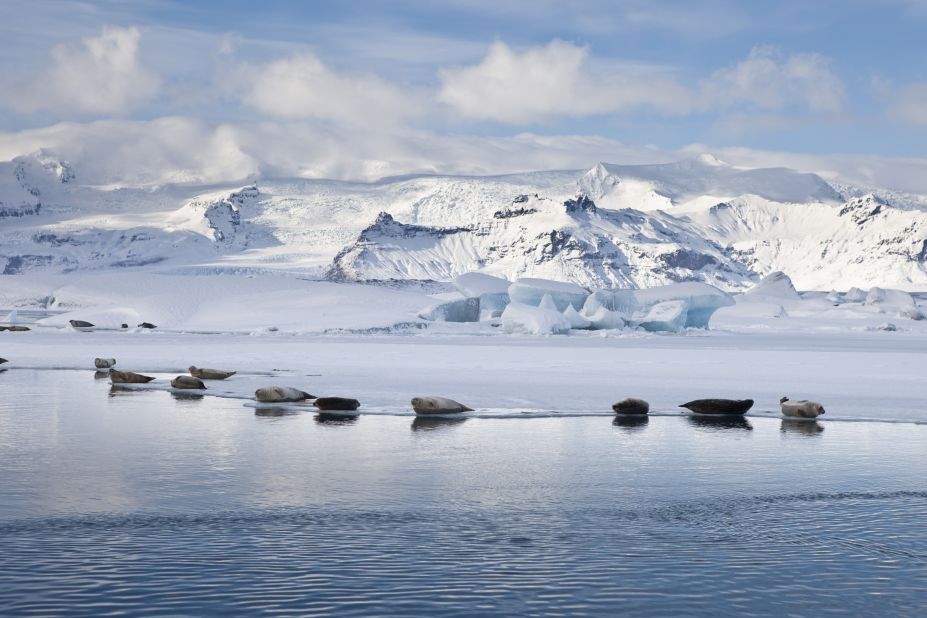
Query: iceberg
column 855, row 295
column 603, row 319
column 624, row 302
column 474, row 285
column 530, row 320
column 667, row 316
column 702, row 300
column 492, row 292
column 531, row 291
column 776, row 285
column 894, row 301
column 577, row 322
column 464, row 310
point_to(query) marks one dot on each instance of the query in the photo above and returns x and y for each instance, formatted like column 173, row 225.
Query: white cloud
column 301, row 86
column 769, row 80
column 909, row 104
column 101, row 75
column 176, row 149
column 553, row 80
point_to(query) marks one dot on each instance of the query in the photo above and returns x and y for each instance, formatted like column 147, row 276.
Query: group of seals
column 85, row 325
column 723, row 407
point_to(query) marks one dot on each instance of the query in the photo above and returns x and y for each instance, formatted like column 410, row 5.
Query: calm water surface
column 140, row 503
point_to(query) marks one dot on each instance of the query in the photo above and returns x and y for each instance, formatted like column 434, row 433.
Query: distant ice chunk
column 624, row 302
column 492, row 292
column 603, row 319
column 667, row 316
column 702, row 300
column 855, row 295
column 835, row 297
column 894, row 301
column 530, row 292
column 577, row 322
column 464, row 310
column 530, row 320
column 474, row 285
column 775, row 285
column 889, row 299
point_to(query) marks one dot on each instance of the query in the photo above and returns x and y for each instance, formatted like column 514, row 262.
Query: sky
column 157, row 91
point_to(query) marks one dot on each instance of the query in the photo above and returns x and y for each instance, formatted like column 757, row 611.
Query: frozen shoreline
column 856, row 374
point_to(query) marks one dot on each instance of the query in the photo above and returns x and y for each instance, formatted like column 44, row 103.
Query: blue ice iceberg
column 492, row 292
column 702, row 301
column 531, row 291
column 667, row 316
column 529, row 320
column 464, row 310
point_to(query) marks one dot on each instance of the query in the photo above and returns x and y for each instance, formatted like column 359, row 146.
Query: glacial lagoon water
column 142, row 503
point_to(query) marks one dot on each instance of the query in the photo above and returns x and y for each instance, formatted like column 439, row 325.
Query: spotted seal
column 128, row 377
column 188, row 382
column 631, row 405
column 801, row 408
column 277, row 394
column 438, row 405
column 205, row 373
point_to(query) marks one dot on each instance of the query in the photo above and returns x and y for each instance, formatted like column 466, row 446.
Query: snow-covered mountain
column 612, row 225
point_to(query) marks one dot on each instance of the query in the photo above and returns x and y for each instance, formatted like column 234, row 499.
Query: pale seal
column 104, row 363
column 275, row 394
column 801, row 408
column 205, row 373
column 719, row 406
column 438, row 405
column 336, row 403
column 631, row 405
column 128, row 377
column 188, row 382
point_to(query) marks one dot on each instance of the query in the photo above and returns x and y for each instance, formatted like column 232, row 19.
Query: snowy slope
column 698, row 219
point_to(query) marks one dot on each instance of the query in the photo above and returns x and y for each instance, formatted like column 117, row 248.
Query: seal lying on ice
column 631, row 405
column 336, row 403
column 80, row 324
column 275, row 394
column 3, row 361
column 204, row 373
column 438, row 405
column 128, row 377
column 188, row 382
column 801, row 408
column 104, row 363
column 719, row 406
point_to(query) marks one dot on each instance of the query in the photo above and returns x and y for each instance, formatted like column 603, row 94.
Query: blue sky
column 840, row 87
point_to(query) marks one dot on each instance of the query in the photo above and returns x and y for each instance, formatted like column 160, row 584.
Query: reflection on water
column 100, row 374
column 428, row 423
column 274, row 412
column 802, row 427
column 631, row 422
column 136, row 505
column 719, row 422
column 184, row 396
column 329, row 418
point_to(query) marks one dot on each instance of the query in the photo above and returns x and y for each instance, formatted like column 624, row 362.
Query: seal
column 16, row 328
column 719, row 406
column 204, row 373
column 631, row 405
column 104, row 363
column 188, row 382
column 147, row 325
column 80, row 324
column 276, row 394
column 438, row 405
column 3, row 361
column 801, row 408
column 128, row 377
column 336, row 404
